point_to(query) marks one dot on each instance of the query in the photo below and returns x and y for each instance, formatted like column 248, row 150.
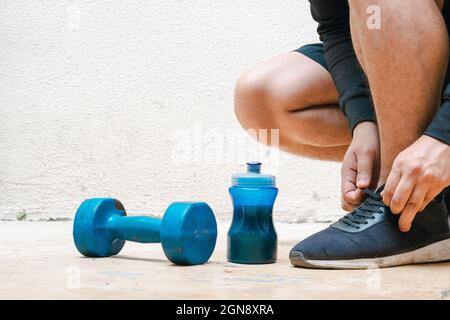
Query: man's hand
column 360, row 165
column 418, row 175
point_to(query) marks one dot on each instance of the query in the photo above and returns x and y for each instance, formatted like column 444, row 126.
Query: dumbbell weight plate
column 90, row 239
column 188, row 232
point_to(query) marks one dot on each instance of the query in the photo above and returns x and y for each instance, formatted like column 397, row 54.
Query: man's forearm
column 440, row 126
column 354, row 94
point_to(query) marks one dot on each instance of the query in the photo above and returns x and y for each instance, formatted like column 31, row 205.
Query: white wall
column 93, row 95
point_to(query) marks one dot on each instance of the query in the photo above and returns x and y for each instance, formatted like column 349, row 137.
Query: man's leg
column 297, row 95
column 405, row 62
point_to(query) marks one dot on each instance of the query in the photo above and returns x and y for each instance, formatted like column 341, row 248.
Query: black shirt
column 354, row 94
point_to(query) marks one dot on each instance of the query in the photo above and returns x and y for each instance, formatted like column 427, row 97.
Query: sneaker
column 369, row 237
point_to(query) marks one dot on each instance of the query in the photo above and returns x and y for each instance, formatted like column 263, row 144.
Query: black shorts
column 315, row 52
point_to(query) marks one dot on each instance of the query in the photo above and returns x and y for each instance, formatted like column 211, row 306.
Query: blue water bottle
column 252, row 238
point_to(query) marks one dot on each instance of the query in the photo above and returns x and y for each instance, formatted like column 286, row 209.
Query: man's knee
column 250, row 105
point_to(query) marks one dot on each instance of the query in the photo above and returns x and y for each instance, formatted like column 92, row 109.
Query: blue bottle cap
column 253, row 177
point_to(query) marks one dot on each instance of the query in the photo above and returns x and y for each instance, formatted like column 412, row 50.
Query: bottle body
column 252, row 238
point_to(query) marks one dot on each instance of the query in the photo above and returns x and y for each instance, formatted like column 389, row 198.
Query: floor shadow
column 122, row 257
column 211, row 262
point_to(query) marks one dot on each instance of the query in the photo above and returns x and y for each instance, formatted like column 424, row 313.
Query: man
column 372, row 98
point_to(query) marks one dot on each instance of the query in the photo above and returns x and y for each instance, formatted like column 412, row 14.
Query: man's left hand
column 418, row 175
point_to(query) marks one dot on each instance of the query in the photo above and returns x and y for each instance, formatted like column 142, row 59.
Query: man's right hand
column 361, row 163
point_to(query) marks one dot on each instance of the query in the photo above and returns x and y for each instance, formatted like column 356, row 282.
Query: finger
column 431, row 194
column 348, row 177
column 364, row 170
column 390, row 186
column 347, row 206
column 402, row 194
column 354, row 197
column 412, row 207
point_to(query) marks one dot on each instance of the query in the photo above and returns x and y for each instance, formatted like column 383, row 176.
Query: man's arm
column 334, row 31
column 440, row 126
column 361, row 160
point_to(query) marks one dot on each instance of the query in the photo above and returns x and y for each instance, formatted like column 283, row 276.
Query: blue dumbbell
column 187, row 231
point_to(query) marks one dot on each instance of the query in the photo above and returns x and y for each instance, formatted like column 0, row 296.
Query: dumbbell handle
column 136, row 228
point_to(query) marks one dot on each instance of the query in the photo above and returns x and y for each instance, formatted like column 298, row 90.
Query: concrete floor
column 39, row 260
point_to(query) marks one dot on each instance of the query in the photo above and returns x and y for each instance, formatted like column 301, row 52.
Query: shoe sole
column 436, row 252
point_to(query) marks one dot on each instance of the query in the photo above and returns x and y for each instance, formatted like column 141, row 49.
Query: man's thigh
column 300, row 79
column 289, row 82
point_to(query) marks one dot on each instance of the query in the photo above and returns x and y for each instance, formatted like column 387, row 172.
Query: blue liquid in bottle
column 252, row 238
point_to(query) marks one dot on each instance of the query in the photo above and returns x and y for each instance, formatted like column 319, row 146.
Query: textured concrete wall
column 95, row 97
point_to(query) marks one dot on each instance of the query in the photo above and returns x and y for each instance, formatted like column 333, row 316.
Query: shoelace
column 371, row 205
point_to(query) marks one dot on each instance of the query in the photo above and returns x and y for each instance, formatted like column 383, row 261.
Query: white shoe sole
column 436, row 252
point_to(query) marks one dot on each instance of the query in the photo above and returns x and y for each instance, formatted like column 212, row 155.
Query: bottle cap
column 253, row 177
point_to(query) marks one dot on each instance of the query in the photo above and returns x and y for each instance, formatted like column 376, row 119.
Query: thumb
column 364, row 171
